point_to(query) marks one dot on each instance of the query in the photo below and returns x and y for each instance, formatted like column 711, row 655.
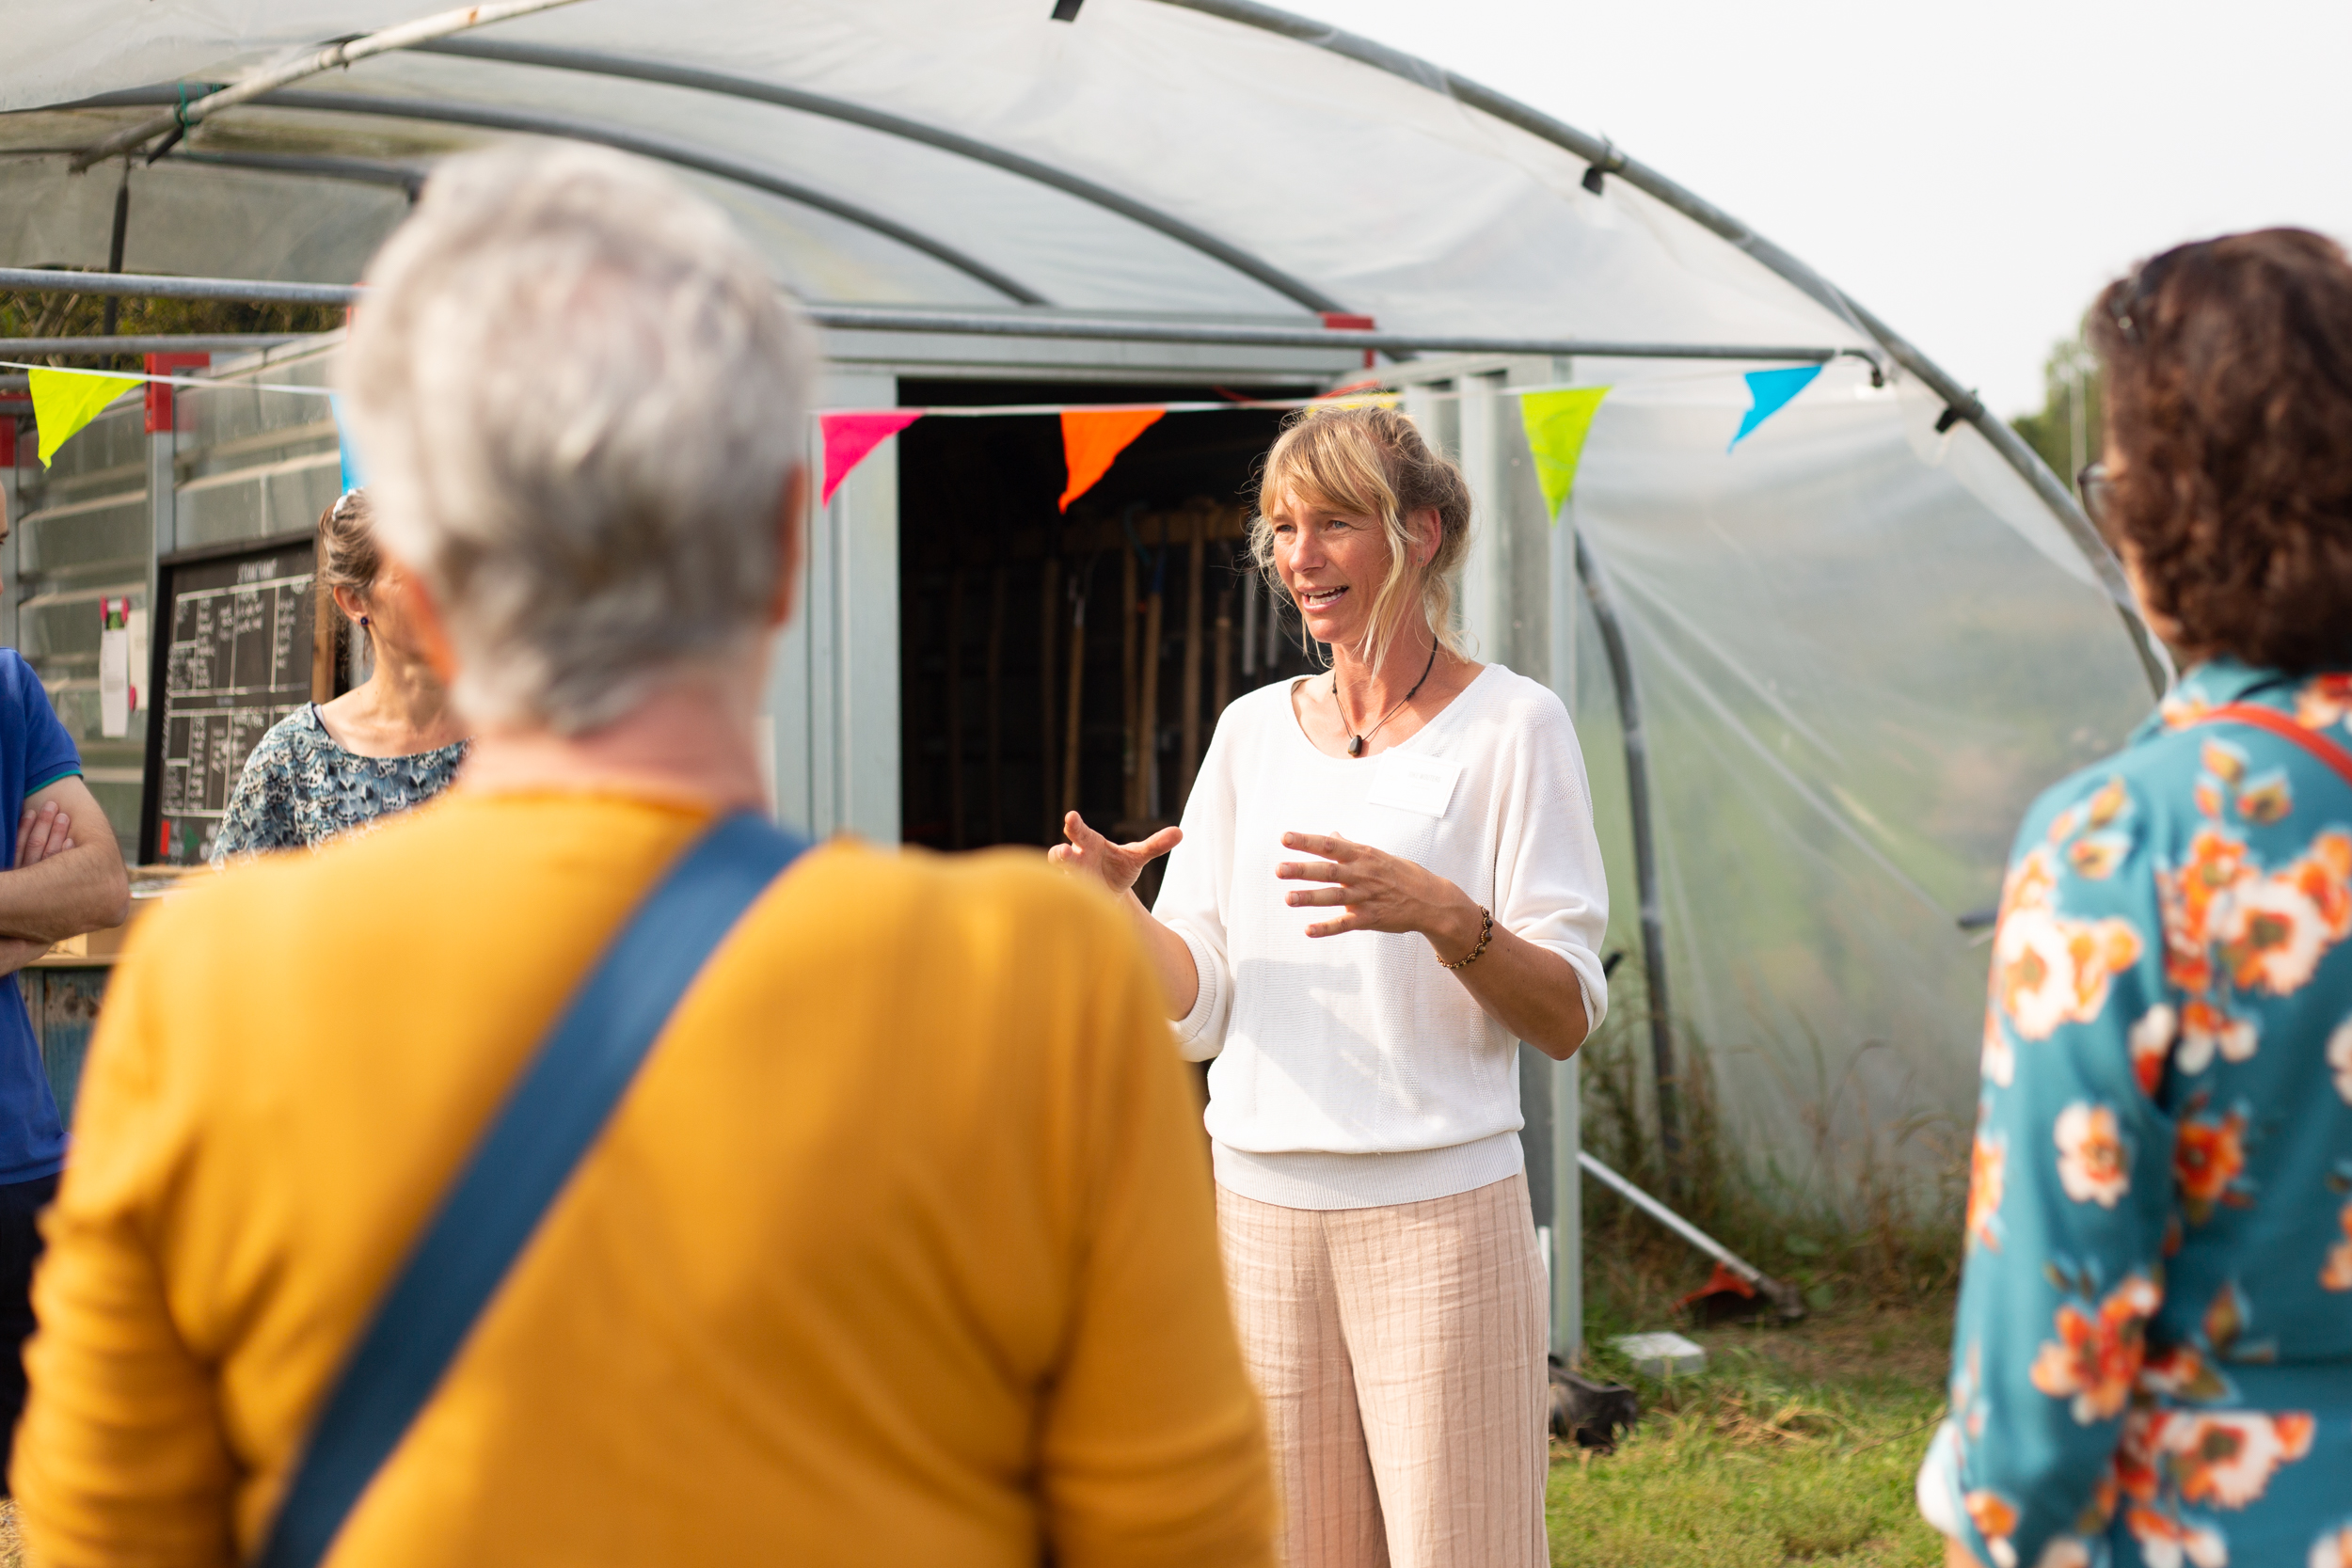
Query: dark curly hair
column 2228, row 406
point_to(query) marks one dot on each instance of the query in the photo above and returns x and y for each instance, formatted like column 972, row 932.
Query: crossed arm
column 1532, row 992
column 64, row 882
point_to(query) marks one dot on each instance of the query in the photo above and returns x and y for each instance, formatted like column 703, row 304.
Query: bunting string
column 1557, row 418
column 209, row 384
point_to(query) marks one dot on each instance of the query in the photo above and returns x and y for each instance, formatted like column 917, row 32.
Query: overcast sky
column 1973, row 173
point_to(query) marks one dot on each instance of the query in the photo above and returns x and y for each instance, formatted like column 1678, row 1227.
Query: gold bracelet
column 1486, row 935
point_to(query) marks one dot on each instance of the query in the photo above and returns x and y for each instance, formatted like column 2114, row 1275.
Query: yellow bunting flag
column 65, row 400
column 1557, row 423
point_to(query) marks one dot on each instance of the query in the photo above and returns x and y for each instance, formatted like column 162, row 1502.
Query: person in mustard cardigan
column 901, row 1248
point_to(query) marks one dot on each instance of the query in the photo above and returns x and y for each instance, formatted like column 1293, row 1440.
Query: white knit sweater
column 1355, row 1071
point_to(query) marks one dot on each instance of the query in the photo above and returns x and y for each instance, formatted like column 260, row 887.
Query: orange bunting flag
column 1092, row 439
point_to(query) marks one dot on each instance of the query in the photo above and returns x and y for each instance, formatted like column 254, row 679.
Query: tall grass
column 1858, row 1215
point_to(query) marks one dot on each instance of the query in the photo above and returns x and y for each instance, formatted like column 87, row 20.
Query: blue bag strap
column 564, row 1099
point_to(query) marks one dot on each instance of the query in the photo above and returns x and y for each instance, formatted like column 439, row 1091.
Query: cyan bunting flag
column 355, row 471
column 1769, row 392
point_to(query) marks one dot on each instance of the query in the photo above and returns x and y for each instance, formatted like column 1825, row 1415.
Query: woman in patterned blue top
column 2153, row 1362
column 387, row 744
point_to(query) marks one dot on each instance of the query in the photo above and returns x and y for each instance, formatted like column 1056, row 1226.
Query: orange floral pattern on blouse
column 2159, row 1213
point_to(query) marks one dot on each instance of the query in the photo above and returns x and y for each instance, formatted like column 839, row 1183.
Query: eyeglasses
column 2098, row 493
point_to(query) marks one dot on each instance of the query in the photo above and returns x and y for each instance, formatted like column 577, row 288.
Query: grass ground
column 1797, row 1444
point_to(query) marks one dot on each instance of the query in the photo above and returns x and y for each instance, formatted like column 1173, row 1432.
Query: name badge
column 1413, row 783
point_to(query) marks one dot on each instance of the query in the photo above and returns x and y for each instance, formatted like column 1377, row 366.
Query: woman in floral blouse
column 390, row 743
column 2154, row 1355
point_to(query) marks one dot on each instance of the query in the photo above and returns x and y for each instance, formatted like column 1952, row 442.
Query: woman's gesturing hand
column 1379, row 892
column 1115, row 865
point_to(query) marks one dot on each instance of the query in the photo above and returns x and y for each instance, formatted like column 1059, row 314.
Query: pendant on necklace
column 1355, row 745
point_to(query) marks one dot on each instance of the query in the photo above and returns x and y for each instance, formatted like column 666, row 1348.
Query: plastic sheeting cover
column 1854, row 675
column 1396, row 200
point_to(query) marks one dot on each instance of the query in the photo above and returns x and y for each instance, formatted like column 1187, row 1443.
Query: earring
column 366, row 622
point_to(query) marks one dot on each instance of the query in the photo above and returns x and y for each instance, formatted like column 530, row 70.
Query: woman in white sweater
column 1386, row 877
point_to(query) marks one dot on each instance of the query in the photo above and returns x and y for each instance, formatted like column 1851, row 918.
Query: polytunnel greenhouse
column 1824, row 623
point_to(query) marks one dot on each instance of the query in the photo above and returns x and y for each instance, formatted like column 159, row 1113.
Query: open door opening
column 1053, row 661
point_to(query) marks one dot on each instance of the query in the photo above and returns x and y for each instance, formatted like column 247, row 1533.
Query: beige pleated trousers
column 1400, row 1352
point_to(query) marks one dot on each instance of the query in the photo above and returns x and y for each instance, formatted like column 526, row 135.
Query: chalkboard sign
column 234, row 658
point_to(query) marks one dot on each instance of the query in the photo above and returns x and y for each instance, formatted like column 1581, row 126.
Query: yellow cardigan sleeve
column 1154, row 1446
column 121, row 1457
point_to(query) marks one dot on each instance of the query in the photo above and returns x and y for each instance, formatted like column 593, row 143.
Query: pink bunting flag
column 849, row 437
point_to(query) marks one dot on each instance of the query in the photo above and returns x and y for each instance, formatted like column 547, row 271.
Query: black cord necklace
column 1355, row 742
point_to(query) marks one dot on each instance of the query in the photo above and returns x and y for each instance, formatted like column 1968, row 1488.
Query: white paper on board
column 136, row 627
column 113, row 682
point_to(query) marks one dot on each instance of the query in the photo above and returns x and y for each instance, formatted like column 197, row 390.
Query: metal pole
column 1567, row 1211
column 11, row 509
column 148, row 342
column 363, row 171
column 1009, row 323
column 52, row 280
column 496, row 116
column 593, row 62
column 1596, row 580
column 1568, row 1112
column 267, row 78
column 114, row 250
column 997, row 323
column 1671, row 1220
column 1781, row 1296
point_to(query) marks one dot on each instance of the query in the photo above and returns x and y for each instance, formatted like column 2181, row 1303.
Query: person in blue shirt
column 64, row 877
column 2152, row 1357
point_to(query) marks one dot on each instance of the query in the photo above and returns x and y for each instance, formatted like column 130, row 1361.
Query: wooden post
column 1077, row 686
column 1048, row 618
column 954, row 709
column 1221, row 690
column 1130, row 768
column 1189, row 758
column 995, row 706
column 1277, row 647
column 1249, row 628
column 1147, row 730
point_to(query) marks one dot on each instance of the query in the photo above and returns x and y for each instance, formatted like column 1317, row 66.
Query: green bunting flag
column 65, row 400
column 1557, row 423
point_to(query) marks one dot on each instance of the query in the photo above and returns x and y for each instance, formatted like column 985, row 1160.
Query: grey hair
column 580, row 399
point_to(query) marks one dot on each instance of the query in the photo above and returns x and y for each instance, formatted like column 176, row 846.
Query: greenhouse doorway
column 1052, row 660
